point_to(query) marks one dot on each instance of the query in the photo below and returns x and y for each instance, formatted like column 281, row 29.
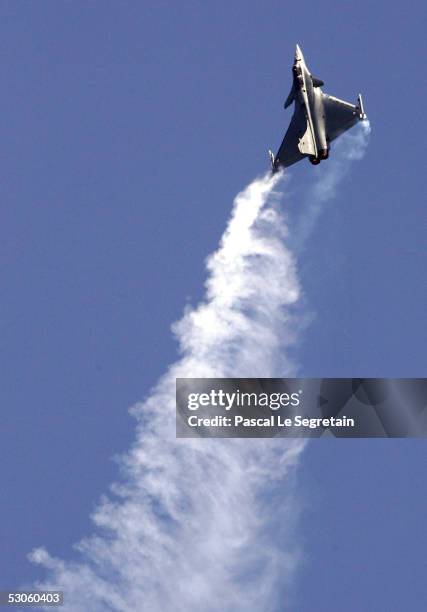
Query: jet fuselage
column 311, row 99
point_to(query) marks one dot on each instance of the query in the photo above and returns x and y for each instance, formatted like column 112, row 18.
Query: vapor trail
column 205, row 524
column 192, row 522
column 350, row 147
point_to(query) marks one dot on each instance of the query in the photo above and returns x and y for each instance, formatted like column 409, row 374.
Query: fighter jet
column 317, row 120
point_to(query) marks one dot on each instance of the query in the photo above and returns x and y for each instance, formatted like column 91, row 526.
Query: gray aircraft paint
column 317, row 120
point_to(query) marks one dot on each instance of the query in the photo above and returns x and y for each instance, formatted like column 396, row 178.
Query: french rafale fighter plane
column 317, row 120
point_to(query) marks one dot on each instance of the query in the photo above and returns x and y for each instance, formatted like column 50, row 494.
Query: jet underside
column 317, row 120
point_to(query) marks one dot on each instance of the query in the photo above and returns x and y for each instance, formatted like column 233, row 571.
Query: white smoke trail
column 193, row 524
column 349, row 147
column 207, row 524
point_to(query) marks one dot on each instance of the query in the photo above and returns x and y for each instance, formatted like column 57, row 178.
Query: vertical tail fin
column 290, row 97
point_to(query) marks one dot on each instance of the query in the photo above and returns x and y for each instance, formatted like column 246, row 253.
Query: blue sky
column 127, row 129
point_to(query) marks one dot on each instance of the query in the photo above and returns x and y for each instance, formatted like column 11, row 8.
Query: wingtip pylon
column 361, row 109
column 272, row 159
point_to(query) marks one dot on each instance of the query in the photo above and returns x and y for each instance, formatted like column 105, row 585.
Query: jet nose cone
column 298, row 54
